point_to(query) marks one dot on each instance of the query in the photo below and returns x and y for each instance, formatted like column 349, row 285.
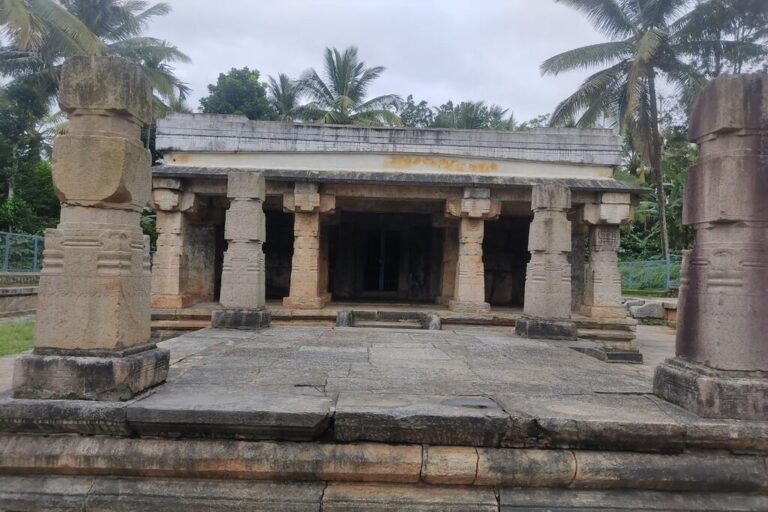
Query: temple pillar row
column 309, row 265
column 473, row 209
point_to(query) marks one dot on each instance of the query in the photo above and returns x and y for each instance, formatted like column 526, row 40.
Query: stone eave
column 403, row 178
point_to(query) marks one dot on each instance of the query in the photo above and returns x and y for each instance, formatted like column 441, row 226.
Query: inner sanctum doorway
column 384, row 256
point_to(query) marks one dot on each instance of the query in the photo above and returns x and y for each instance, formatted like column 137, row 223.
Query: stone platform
column 299, row 418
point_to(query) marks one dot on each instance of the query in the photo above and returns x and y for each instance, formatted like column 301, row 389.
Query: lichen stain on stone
column 441, row 163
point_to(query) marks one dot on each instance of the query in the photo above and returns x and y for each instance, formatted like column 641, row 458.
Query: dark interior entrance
column 384, row 256
column 505, row 254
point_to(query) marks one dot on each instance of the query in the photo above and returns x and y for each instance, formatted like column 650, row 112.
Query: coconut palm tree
column 112, row 26
column 339, row 96
column 284, row 95
column 648, row 42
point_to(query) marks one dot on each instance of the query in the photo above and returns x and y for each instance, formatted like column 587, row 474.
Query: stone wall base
column 240, row 319
column 307, row 302
column 542, row 328
column 468, row 307
column 161, row 301
column 604, row 311
column 76, row 377
column 712, row 393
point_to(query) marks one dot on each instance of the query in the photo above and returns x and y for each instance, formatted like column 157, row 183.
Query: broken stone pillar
column 603, row 286
column 169, row 265
column 721, row 366
column 472, row 211
column 547, row 307
column 93, row 315
column 309, row 266
column 242, row 275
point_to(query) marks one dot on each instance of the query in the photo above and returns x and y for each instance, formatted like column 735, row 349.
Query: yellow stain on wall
column 458, row 165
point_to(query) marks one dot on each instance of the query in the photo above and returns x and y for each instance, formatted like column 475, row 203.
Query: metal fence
column 21, row 252
column 650, row 274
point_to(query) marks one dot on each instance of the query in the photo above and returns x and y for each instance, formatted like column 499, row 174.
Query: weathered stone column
column 603, row 287
column 721, row 367
column 472, row 211
column 449, row 262
column 577, row 259
column 547, row 308
column 169, row 272
column 93, row 316
column 242, row 276
column 309, row 267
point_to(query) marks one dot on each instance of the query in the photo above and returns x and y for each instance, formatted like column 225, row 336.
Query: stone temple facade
column 466, row 219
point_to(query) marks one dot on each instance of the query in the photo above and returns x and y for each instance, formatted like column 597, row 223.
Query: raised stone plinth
column 93, row 319
column 721, row 367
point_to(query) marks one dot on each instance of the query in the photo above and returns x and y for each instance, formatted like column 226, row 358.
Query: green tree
column 239, row 92
column 415, row 115
column 473, row 115
column 648, row 40
column 339, row 96
column 38, row 46
column 284, row 94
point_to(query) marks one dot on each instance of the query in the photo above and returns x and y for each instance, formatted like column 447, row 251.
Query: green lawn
column 16, row 337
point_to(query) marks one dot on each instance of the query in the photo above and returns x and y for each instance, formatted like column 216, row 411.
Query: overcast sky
column 434, row 49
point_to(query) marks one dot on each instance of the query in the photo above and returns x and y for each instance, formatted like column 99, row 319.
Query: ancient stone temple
column 394, row 215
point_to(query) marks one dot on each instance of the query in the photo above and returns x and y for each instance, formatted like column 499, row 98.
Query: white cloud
column 434, row 49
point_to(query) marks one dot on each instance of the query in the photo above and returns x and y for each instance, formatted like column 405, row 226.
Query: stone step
column 613, row 324
column 380, row 324
column 606, row 334
column 181, row 324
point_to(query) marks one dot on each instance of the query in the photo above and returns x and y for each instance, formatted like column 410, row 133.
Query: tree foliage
column 239, row 92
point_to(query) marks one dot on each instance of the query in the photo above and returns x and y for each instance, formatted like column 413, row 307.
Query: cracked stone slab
column 596, row 421
column 403, row 418
column 226, row 411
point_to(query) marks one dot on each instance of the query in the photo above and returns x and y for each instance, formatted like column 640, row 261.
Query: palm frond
column 607, row 16
column 586, row 57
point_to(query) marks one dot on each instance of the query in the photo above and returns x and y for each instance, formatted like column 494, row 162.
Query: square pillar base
column 240, row 319
column 543, row 328
column 307, row 302
column 108, row 377
column 468, row 307
column 712, row 393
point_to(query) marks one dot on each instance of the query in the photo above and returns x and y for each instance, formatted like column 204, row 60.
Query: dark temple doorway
column 384, row 257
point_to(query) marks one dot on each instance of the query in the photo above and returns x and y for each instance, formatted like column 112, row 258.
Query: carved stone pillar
column 169, row 267
column 449, row 263
column 547, row 307
column 603, row 287
column 577, row 259
column 309, row 266
column 472, row 211
column 93, row 315
column 242, row 276
column 721, row 367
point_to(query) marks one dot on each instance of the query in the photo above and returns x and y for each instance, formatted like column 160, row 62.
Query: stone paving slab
column 449, row 420
column 397, row 386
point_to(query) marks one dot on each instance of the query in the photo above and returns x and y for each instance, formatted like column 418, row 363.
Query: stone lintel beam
column 547, row 306
column 93, row 316
column 721, row 364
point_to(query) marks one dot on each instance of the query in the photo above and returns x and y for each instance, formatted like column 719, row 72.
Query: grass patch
column 16, row 337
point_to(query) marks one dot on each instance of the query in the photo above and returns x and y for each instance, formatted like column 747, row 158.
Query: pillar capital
column 476, row 203
column 613, row 208
column 306, row 198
